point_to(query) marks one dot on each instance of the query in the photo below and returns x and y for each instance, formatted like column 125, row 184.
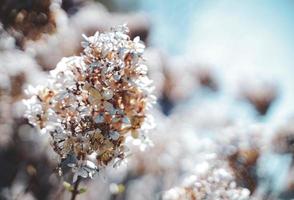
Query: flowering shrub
column 90, row 103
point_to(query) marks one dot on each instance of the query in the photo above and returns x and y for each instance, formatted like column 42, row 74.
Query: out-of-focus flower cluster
column 91, row 102
column 211, row 181
column 24, row 157
column 28, row 19
column 12, row 79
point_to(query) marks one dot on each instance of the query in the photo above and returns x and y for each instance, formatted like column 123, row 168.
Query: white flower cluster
column 211, row 181
column 90, row 103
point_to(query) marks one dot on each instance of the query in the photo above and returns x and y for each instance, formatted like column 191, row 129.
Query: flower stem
column 75, row 191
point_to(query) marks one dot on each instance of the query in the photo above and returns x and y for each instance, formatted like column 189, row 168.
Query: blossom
column 91, row 103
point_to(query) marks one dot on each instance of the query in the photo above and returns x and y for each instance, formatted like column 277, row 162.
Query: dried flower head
column 27, row 19
column 91, row 103
column 242, row 148
column 211, row 181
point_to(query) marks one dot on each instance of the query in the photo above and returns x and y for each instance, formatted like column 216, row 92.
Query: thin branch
column 75, row 191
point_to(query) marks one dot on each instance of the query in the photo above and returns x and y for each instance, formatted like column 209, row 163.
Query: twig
column 75, row 191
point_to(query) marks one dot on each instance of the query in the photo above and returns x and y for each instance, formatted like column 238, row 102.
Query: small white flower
column 108, row 94
column 114, row 135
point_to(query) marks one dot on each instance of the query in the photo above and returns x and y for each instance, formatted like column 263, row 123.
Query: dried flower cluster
column 27, row 19
column 211, row 181
column 91, row 102
column 241, row 147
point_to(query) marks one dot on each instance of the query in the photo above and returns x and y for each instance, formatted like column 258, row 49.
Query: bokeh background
column 223, row 75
